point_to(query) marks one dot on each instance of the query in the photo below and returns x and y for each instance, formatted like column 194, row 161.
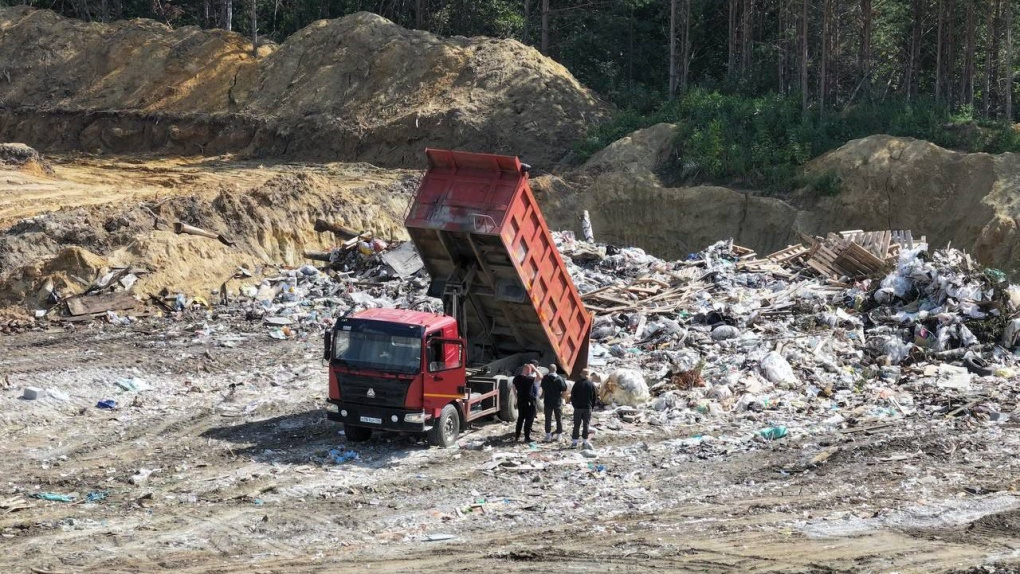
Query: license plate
column 372, row 420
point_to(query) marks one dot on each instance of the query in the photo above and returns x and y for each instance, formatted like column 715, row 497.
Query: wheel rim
column 448, row 429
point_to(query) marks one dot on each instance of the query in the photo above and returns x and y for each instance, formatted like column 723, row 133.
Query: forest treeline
column 826, row 70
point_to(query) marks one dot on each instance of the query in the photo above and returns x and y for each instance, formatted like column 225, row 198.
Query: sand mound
column 24, row 158
column 407, row 89
column 968, row 199
column 642, row 154
column 67, row 64
column 358, row 88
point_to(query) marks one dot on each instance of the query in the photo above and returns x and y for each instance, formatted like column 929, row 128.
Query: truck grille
column 388, row 392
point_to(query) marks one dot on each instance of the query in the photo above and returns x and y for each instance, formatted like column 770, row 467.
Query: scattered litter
column 142, row 476
column 58, row 395
column 337, row 456
column 97, row 495
column 133, row 384
column 54, row 497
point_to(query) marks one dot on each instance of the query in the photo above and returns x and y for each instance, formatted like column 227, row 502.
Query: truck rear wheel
column 357, row 434
column 507, row 401
column 446, row 428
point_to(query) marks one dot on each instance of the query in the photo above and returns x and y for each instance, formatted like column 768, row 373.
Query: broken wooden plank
column 100, row 303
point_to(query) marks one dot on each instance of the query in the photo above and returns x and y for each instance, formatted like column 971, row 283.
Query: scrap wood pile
column 843, row 331
column 837, row 257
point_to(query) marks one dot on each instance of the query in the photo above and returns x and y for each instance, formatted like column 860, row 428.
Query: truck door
column 445, row 373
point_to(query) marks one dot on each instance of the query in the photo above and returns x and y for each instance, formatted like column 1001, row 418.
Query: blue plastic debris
column 337, row 456
column 97, row 495
column 107, row 404
column 53, row 497
column 773, row 433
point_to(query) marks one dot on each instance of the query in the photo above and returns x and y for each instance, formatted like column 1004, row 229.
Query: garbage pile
column 782, row 346
column 809, row 337
column 301, row 302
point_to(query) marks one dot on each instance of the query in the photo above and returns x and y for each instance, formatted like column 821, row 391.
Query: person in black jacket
column 526, row 385
column 553, row 387
column 583, row 398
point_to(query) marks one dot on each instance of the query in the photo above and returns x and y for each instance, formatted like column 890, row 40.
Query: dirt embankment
column 269, row 212
column 887, row 182
column 630, row 204
column 358, row 88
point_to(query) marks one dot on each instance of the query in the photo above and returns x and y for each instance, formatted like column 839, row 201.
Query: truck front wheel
column 357, row 434
column 446, row 428
column 507, row 401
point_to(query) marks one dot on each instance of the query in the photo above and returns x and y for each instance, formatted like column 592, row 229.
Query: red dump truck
column 507, row 299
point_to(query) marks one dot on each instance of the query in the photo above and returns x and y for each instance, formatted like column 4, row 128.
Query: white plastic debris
column 625, row 387
column 777, row 370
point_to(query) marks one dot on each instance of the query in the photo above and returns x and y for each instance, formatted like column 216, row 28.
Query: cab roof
column 404, row 316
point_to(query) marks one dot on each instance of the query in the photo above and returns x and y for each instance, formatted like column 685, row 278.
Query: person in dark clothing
column 553, row 387
column 583, row 398
column 527, row 396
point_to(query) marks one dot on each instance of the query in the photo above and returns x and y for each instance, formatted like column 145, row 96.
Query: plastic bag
column 625, row 387
column 775, row 368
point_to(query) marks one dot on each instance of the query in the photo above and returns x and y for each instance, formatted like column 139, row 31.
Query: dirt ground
column 234, row 433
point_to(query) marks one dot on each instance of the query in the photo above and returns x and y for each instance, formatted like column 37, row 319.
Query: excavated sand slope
column 968, row 200
column 359, row 88
column 269, row 211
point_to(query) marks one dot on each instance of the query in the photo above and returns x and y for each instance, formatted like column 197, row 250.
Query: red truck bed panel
column 477, row 211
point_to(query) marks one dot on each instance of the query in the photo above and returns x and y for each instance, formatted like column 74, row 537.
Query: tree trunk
column 672, row 50
column 781, row 45
column 968, row 58
column 915, row 47
column 630, row 47
column 419, row 14
column 1009, row 61
column 804, row 56
column 950, row 67
column 834, row 59
column 864, row 63
column 746, row 37
column 254, row 31
column 938, row 52
column 685, row 58
column 824, row 60
column 545, row 27
column 228, row 15
column 205, row 13
column 992, row 58
column 731, row 59
column 526, row 34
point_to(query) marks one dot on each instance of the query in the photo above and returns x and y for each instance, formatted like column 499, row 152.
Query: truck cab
column 507, row 299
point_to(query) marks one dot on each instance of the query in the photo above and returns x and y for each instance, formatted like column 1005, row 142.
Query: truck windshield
column 375, row 350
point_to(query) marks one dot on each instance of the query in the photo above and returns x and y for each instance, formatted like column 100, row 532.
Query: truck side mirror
column 327, row 347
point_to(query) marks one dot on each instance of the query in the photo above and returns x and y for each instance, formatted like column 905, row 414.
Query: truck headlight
column 415, row 418
column 333, row 408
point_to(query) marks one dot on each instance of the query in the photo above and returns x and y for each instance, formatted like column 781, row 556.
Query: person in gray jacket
column 583, row 398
